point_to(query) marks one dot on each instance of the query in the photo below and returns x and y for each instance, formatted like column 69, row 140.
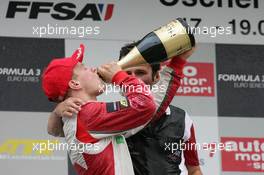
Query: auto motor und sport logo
column 198, row 80
column 61, row 10
column 244, row 155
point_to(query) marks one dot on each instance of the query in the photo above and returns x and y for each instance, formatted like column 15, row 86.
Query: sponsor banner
column 244, row 155
column 199, row 100
column 240, row 80
column 241, row 131
column 120, row 20
column 198, row 80
column 32, row 151
column 21, row 67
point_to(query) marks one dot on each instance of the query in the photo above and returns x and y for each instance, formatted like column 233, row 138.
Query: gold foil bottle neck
column 133, row 58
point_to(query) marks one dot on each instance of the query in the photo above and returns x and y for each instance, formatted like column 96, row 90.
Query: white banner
column 26, row 147
column 216, row 21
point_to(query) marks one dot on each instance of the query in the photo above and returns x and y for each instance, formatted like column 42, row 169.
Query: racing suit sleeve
column 170, row 80
column 190, row 154
column 117, row 117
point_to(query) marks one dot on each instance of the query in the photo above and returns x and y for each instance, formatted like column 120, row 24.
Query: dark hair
column 126, row 48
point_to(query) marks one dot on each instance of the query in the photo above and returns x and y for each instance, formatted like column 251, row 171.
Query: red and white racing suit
column 105, row 124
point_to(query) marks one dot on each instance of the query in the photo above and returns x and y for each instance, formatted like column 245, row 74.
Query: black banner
column 21, row 64
column 240, row 80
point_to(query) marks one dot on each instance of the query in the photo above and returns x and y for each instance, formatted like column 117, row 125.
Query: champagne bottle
column 160, row 45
